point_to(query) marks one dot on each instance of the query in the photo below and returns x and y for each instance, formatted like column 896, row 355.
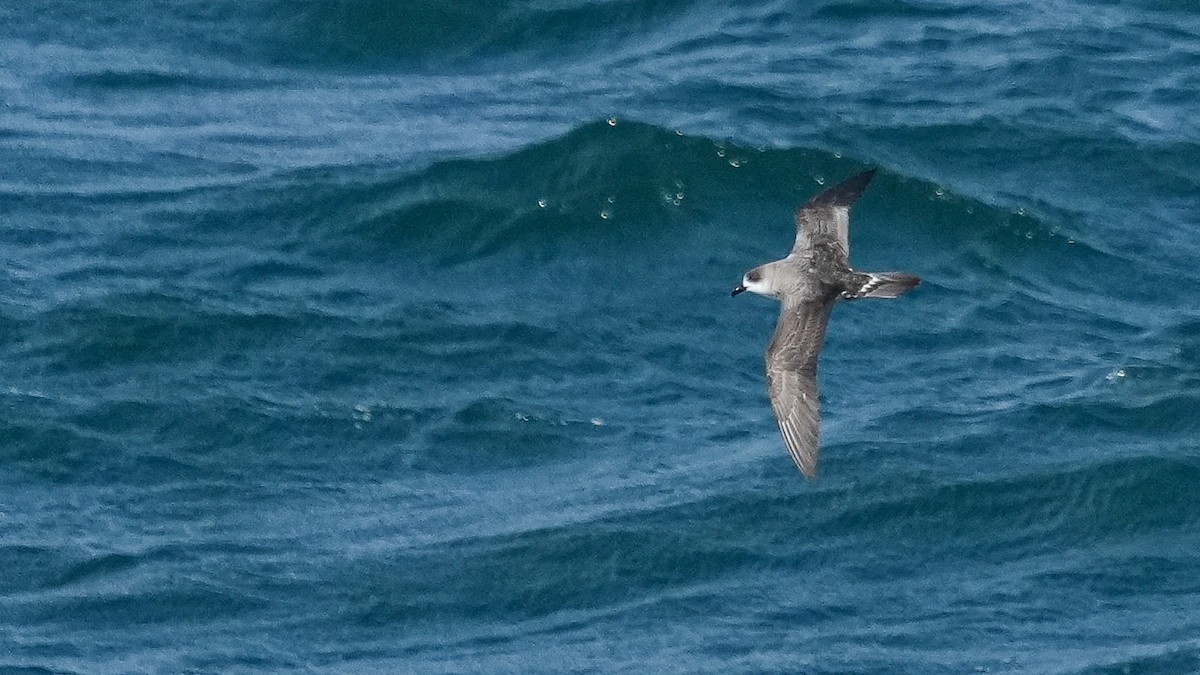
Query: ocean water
column 374, row 336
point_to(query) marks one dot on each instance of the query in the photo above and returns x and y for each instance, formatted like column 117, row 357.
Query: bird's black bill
column 737, row 290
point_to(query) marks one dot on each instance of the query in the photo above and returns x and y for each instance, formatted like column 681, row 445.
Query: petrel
column 814, row 276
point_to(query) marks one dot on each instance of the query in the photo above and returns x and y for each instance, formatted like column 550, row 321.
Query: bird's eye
column 753, row 276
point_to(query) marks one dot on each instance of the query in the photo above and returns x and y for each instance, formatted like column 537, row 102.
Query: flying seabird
column 814, row 276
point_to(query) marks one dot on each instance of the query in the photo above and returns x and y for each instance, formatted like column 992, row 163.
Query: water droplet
column 1029, row 235
column 612, row 121
column 837, row 155
column 597, row 422
column 542, row 203
column 611, row 199
column 720, row 152
column 678, row 195
column 1070, row 241
column 522, row 417
column 735, row 163
column 820, row 180
column 606, row 214
column 940, row 192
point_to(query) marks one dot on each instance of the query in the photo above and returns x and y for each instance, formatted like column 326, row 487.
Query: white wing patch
column 841, row 216
column 889, row 285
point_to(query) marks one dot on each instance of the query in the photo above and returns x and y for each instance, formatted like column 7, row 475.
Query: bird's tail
column 883, row 285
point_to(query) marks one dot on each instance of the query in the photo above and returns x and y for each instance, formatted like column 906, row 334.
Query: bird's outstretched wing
column 792, row 378
column 827, row 216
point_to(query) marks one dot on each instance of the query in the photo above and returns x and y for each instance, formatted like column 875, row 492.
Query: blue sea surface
column 375, row 336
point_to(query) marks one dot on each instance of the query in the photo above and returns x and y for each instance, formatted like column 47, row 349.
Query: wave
column 632, row 193
column 618, row 181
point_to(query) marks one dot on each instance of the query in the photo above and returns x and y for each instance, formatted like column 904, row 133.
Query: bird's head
column 757, row 280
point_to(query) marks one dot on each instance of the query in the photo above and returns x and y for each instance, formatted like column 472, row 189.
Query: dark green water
column 396, row 337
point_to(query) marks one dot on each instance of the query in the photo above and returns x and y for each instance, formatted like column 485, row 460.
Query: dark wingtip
column 844, row 193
